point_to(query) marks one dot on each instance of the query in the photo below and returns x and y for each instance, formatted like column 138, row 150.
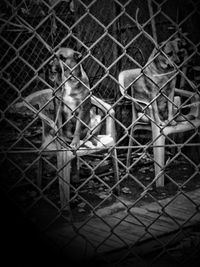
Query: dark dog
column 74, row 95
column 155, row 86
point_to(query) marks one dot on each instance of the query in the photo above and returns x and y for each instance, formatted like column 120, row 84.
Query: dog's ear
column 55, row 65
column 77, row 56
column 54, row 69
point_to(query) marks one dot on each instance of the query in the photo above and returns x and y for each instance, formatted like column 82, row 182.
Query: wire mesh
column 114, row 213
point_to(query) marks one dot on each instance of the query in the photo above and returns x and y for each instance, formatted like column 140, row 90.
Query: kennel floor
column 127, row 229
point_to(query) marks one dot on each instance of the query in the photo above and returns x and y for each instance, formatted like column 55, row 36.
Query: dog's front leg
column 76, row 139
column 59, row 120
column 170, row 107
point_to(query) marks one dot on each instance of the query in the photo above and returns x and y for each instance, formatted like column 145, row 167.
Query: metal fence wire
column 128, row 195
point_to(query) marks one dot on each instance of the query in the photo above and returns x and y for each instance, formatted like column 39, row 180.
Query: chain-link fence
column 128, row 191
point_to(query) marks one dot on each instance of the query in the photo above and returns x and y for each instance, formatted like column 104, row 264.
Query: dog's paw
column 75, row 143
column 159, row 123
column 162, row 123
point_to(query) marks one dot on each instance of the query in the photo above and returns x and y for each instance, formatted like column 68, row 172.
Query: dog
column 154, row 87
column 75, row 115
column 74, row 95
column 159, row 81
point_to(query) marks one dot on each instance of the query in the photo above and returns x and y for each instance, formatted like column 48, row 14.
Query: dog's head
column 65, row 60
column 169, row 54
column 70, row 58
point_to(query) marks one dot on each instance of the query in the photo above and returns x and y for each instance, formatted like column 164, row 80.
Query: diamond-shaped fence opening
column 53, row 31
column 26, row 9
column 35, row 53
column 94, row 32
column 11, row 170
column 8, row 94
column 65, row 12
column 132, row 185
column 7, row 53
column 14, row 32
column 18, row 73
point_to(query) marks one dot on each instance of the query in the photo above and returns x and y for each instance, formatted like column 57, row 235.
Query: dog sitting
column 155, row 86
column 74, row 117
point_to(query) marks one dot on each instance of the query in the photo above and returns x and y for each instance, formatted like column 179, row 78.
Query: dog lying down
column 156, row 85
